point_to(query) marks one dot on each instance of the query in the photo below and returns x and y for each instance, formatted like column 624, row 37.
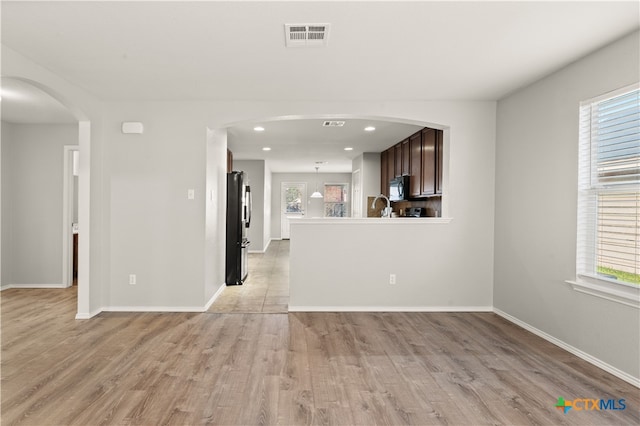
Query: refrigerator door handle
column 249, row 206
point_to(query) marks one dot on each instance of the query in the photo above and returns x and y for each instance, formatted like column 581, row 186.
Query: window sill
column 625, row 294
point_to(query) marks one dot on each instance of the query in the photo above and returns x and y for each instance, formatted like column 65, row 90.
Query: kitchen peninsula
column 380, row 264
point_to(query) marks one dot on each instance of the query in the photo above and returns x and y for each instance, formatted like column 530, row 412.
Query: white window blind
column 609, row 187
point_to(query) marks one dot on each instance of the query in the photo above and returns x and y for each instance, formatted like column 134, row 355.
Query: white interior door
column 293, row 201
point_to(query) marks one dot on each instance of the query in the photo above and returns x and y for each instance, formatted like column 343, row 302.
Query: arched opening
column 39, row 212
column 289, row 144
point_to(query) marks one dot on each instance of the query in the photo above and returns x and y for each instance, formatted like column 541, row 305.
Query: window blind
column 615, row 125
column 609, row 187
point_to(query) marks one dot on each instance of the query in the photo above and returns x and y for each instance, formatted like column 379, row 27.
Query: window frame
column 345, row 203
column 590, row 282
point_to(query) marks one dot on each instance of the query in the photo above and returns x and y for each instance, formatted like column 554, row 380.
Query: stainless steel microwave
column 399, row 188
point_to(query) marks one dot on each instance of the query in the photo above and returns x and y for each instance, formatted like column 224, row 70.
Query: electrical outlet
column 191, row 194
column 392, row 279
column 132, row 279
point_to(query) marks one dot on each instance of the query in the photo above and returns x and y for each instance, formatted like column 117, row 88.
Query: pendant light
column 316, row 193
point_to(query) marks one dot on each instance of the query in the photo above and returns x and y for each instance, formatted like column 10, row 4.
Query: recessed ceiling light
column 266, row 148
column 348, row 148
column 369, row 129
column 259, row 129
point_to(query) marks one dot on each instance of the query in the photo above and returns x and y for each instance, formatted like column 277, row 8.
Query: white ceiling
column 378, row 50
column 296, row 145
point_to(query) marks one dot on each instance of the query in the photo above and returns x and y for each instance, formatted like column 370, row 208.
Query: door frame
column 284, row 221
column 68, row 188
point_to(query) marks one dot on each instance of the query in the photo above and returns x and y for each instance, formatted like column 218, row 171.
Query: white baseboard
column 8, row 286
column 165, row 308
column 86, row 316
column 296, row 308
column 214, row 297
column 264, row 250
column 635, row 381
column 153, row 309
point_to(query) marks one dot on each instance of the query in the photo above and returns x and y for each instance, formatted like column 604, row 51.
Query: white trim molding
column 25, row 286
column 296, row 308
column 214, row 297
column 174, row 309
column 635, row 381
column 86, row 316
column 615, row 292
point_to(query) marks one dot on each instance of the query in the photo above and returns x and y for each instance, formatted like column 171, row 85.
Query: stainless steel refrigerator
column 238, row 220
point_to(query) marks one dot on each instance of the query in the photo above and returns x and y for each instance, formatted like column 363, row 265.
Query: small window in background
column 335, row 200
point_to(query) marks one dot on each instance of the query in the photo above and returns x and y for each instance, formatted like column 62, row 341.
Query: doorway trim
column 68, row 187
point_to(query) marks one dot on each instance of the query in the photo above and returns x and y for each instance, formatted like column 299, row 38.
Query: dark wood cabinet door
column 428, row 162
column 439, row 148
column 398, row 155
column 384, row 179
column 229, row 161
column 391, row 168
column 415, row 148
column 406, row 158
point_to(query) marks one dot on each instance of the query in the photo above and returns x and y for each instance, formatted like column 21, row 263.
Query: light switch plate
column 191, row 194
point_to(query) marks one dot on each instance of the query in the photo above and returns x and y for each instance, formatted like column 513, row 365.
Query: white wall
column 255, row 175
column 267, row 205
column 536, row 198
column 142, row 223
column 315, row 206
column 32, row 202
column 155, row 231
column 215, row 206
column 346, row 265
column 370, row 175
column 438, row 266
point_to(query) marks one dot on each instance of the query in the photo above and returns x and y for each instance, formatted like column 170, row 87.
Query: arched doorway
column 27, row 102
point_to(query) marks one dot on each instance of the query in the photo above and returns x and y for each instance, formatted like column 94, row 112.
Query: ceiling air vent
column 333, row 123
column 306, row 35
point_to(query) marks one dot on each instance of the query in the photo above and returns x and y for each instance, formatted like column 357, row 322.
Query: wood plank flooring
column 267, row 286
column 288, row 369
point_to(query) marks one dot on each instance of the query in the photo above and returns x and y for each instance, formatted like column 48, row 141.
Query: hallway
column 267, row 287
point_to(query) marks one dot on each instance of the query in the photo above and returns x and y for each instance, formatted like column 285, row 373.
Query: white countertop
column 369, row 220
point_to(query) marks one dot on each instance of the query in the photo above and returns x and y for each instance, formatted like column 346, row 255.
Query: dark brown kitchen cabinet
column 439, row 149
column 391, row 168
column 229, row 161
column 428, row 186
column 397, row 150
column 415, row 148
column 421, row 157
column 384, row 178
column 406, row 156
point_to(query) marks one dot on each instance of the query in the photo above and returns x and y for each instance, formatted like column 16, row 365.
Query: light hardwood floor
column 290, row 369
column 267, row 286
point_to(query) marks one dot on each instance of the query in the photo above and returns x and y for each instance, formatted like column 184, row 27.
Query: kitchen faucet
column 386, row 212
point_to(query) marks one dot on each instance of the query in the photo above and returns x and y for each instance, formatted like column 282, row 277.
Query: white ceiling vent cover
column 333, row 123
column 306, row 35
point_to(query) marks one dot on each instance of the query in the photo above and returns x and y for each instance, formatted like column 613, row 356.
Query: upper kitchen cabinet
column 428, row 179
column 406, row 158
column 415, row 148
column 398, row 155
column 439, row 160
column 391, row 166
column 384, row 173
column 420, row 157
